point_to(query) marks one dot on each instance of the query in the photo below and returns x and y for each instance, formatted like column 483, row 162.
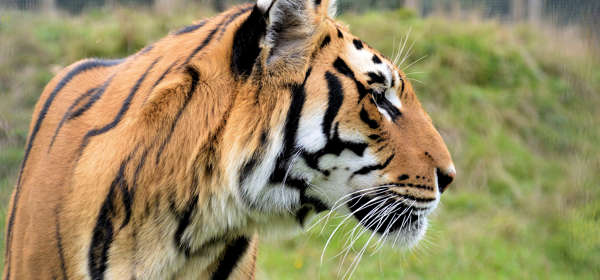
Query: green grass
column 516, row 105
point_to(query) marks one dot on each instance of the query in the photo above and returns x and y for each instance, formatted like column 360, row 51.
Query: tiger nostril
column 444, row 179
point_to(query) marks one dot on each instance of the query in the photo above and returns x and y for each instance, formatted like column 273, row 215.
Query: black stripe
column 307, row 203
column 120, row 114
column 185, row 219
column 381, row 148
column 376, row 78
column 162, row 76
column 59, row 247
column 69, row 111
column 221, row 26
column 249, row 165
column 326, row 41
column 364, row 116
column 246, row 43
column 417, row 199
column 409, row 185
column 367, row 169
column 290, row 130
column 403, row 177
column 341, row 66
column 374, row 136
column 336, row 98
column 246, row 169
column 127, row 200
column 264, row 137
column 340, row 34
column 232, row 17
column 318, row 205
column 293, row 116
column 71, row 115
column 128, row 194
column 85, row 66
column 140, row 165
column 97, row 95
column 202, row 45
column 317, row 3
column 376, row 59
column 402, row 89
column 146, row 49
column 302, row 214
column 358, row 44
column 102, row 236
column 386, row 105
column 233, row 253
column 190, row 28
column 335, row 146
column 195, row 77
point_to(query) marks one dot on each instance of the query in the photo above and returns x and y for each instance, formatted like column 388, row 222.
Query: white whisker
column 403, row 46
column 403, row 223
column 407, row 54
column 342, row 202
column 357, row 259
column 381, row 240
column 289, row 167
column 416, row 72
column 380, row 217
column 413, row 63
column 374, row 213
column 345, row 219
column 415, row 80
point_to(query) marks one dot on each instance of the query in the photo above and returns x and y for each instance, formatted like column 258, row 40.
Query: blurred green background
column 517, row 103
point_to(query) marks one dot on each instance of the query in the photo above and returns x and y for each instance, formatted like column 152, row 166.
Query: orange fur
column 174, row 145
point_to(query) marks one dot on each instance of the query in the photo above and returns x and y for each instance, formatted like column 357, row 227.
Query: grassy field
column 517, row 106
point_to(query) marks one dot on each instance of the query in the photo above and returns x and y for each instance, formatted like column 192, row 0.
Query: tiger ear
column 291, row 28
column 321, row 7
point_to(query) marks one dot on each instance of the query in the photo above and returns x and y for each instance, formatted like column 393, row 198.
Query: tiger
column 173, row 162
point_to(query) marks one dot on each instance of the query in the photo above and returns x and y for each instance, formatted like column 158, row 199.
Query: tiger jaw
column 396, row 218
column 400, row 220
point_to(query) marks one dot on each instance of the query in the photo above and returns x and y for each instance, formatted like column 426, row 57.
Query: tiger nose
column 445, row 176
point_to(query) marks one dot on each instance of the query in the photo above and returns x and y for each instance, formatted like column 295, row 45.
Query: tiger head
column 351, row 135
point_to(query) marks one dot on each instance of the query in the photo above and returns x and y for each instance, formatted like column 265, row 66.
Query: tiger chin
column 170, row 163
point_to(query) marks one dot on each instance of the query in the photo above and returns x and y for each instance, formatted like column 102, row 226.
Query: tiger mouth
column 386, row 212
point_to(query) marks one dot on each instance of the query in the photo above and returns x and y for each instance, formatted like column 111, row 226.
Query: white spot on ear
column 264, row 5
column 332, row 9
